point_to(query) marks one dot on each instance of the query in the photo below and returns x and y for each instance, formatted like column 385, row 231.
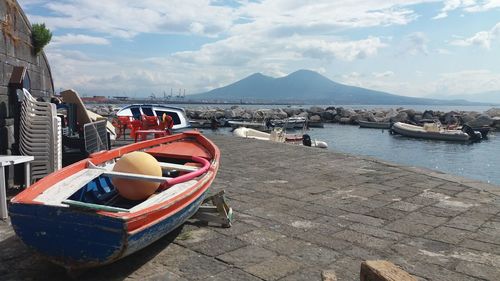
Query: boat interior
column 92, row 188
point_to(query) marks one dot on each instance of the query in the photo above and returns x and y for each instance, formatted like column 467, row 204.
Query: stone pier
column 300, row 211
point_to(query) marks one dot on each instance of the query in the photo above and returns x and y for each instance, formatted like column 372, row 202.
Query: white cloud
column 384, row 74
column 78, row 39
column 470, row 6
column 128, row 18
column 481, row 38
column 467, row 81
column 415, row 44
column 343, row 50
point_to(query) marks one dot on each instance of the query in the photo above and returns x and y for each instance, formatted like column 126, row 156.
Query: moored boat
column 374, row 125
column 279, row 135
column 76, row 218
column 432, row 131
column 135, row 111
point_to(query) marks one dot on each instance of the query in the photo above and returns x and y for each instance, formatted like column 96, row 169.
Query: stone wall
column 16, row 50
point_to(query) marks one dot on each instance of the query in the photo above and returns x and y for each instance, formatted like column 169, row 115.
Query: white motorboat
column 295, row 122
column 433, row 131
column 278, row 135
column 136, row 110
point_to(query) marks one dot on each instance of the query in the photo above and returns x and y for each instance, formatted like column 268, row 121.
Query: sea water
column 480, row 160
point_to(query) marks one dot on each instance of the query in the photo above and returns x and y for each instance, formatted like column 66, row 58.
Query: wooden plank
column 164, row 195
column 178, row 167
column 95, row 207
column 380, row 270
column 65, row 188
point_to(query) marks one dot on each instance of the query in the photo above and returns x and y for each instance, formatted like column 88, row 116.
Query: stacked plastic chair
column 40, row 135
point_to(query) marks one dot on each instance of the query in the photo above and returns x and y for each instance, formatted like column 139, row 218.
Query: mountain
column 308, row 87
column 491, row 97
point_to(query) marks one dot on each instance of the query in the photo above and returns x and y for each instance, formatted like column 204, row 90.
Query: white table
column 5, row 161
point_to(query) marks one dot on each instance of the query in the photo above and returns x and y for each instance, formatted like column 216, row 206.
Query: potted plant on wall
column 41, row 36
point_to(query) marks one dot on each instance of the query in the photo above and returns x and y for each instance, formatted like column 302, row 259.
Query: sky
column 419, row 48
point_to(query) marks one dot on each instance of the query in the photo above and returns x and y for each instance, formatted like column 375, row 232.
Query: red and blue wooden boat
column 75, row 217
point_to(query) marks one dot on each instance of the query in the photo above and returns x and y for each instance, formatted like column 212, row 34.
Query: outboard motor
column 306, row 140
column 474, row 136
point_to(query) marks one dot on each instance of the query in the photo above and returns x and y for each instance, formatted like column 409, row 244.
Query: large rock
column 315, row 110
column 234, row 112
column 291, row 111
column 328, row 115
column 481, row 120
column 315, row 118
column 496, row 122
column 400, row 117
column 303, row 114
column 411, row 113
column 494, row 112
column 450, row 117
column 368, row 116
column 428, row 114
column 345, row 112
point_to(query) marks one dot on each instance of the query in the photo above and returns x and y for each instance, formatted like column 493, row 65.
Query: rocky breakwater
column 351, row 116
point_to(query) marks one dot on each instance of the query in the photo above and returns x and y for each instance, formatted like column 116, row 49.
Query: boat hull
column 77, row 239
column 81, row 238
column 415, row 132
column 374, row 125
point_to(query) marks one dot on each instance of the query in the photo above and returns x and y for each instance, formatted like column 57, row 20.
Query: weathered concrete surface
column 301, row 211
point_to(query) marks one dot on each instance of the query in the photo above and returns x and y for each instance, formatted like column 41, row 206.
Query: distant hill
column 308, row 87
column 491, row 97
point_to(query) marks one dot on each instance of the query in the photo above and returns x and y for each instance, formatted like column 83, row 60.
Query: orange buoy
column 136, row 163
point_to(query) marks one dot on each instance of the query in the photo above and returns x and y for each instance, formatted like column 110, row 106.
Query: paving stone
column 448, row 234
column 237, row 228
column 464, row 222
column 387, row 213
column 274, row 269
column 333, row 221
column 440, row 212
column 408, row 227
column 294, row 221
column 247, row 256
column 478, row 270
column 163, row 276
column 481, row 246
column 363, row 219
column 436, row 272
column 346, row 268
column 362, row 239
column 421, row 200
column 307, row 273
column 261, row 236
column 303, row 252
column 404, row 206
column 377, row 232
column 453, row 186
column 196, row 235
column 429, row 245
column 427, row 219
column 233, row 274
column 217, row 246
column 403, row 253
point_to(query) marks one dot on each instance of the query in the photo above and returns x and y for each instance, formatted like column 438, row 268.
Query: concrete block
column 328, row 275
column 379, row 270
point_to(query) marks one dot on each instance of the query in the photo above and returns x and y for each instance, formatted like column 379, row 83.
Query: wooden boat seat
column 183, row 149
